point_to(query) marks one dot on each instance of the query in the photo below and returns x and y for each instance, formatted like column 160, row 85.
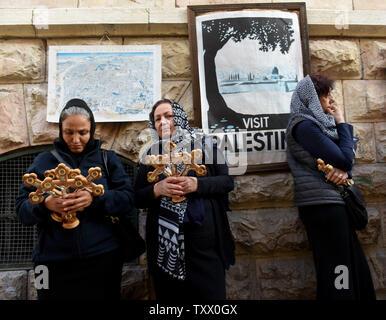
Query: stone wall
column 273, row 256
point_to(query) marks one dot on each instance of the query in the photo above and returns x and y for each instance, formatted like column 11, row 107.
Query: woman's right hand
column 55, row 204
column 168, row 187
column 337, row 176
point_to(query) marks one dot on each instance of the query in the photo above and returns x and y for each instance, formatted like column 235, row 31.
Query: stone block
column 262, row 190
column 268, row 231
column 13, row 285
column 373, row 53
column 38, row 4
column 377, row 264
column 187, row 102
column 365, row 100
column 380, row 141
column 185, row 3
column 13, row 134
column 128, row 3
column 106, row 132
column 338, row 59
column 241, row 282
column 286, row 278
column 174, row 89
column 130, row 139
column 175, row 55
column 32, row 293
column 382, row 210
column 325, row 4
column 372, row 233
column 22, row 61
column 369, row 5
column 40, row 131
column 134, row 285
column 366, row 152
column 371, row 180
column 84, row 41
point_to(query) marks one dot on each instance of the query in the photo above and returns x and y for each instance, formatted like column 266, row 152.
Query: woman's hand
column 168, row 187
column 55, row 204
column 336, row 112
column 188, row 184
column 77, row 201
column 337, row 176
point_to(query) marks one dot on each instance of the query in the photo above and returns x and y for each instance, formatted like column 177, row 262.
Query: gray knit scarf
column 305, row 104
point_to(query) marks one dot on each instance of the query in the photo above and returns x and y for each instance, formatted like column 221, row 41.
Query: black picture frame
column 211, row 27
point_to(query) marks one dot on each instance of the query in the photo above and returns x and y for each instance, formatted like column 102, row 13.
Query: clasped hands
column 175, row 186
column 71, row 202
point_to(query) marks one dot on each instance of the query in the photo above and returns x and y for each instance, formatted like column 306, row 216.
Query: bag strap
column 104, row 156
column 59, row 158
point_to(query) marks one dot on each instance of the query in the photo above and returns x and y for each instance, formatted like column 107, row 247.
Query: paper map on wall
column 119, row 83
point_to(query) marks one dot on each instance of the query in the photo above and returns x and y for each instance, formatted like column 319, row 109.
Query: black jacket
column 213, row 188
column 94, row 234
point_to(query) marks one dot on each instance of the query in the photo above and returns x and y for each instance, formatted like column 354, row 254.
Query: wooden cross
column 326, row 168
column 57, row 183
column 167, row 164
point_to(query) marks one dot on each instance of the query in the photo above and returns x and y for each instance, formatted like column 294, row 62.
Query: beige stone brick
column 286, row 278
column 39, row 4
column 366, row 151
column 338, row 59
column 323, row 4
column 268, row 231
column 13, row 285
column 130, row 139
column 187, row 102
column 369, row 5
column 13, row 123
column 134, row 285
column 22, row 61
column 380, row 141
column 40, row 131
column 370, row 180
column 241, row 282
column 175, row 56
column 262, row 190
column 373, row 53
column 128, row 3
column 365, row 100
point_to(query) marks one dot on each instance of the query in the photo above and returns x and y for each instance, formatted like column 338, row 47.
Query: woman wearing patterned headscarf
column 317, row 129
column 189, row 243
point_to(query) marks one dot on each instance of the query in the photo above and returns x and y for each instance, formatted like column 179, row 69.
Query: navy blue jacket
column 340, row 154
column 94, row 234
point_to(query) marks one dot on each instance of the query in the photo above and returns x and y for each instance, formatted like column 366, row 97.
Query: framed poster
column 119, row 83
column 246, row 62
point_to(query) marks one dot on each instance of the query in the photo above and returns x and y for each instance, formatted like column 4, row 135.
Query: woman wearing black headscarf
column 84, row 262
column 189, row 243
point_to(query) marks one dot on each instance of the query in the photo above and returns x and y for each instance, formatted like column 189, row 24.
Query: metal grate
column 17, row 241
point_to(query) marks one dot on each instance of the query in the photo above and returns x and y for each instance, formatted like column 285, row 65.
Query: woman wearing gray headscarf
column 317, row 129
column 189, row 243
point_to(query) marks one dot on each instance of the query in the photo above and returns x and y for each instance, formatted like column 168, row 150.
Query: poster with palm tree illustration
column 246, row 64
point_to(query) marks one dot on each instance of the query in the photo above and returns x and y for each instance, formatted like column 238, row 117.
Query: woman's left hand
column 77, row 201
column 188, row 184
column 337, row 176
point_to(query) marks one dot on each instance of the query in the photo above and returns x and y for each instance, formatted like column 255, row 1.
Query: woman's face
column 326, row 102
column 163, row 120
column 76, row 132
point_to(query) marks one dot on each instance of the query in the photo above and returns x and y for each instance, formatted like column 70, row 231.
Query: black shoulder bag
column 355, row 205
column 352, row 197
column 132, row 244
